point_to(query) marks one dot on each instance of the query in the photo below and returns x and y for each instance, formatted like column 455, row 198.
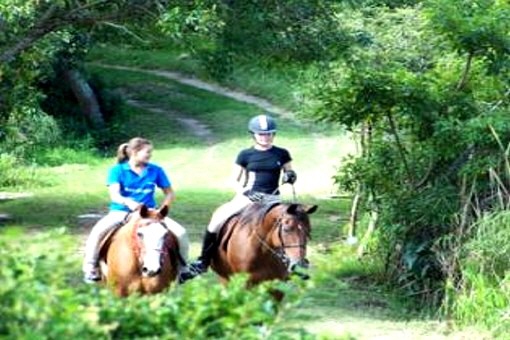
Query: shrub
column 41, row 299
column 13, row 173
column 482, row 295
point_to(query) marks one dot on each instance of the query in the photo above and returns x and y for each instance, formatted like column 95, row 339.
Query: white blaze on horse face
column 153, row 239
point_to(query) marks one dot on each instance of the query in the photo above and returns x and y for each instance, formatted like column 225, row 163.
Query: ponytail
column 122, row 153
column 134, row 145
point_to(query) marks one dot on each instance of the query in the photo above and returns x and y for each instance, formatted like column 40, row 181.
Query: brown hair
column 125, row 150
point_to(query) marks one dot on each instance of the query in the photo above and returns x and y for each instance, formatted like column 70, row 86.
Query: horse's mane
column 254, row 213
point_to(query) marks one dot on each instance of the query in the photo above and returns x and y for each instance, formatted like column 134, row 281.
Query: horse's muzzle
column 303, row 263
column 150, row 273
column 299, row 268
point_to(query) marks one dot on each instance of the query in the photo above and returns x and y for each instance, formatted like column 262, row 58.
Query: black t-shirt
column 263, row 168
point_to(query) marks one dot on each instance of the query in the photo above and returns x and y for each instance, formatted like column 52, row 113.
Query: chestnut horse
column 266, row 241
column 142, row 255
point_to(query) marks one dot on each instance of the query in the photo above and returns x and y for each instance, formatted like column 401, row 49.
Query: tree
column 430, row 80
column 35, row 35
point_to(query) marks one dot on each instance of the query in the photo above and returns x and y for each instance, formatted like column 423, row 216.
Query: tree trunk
column 400, row 147
column 358, row 197
column 86, row 97
column 353, row 218
column 463, row 80
column 374, row 216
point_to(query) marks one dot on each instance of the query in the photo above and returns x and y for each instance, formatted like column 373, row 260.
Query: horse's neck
column 270, row 221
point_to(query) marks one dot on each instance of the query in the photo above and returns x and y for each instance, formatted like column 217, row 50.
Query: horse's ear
column 163, row 211
column 144, row 211
column 310, row 209
column 292, row 209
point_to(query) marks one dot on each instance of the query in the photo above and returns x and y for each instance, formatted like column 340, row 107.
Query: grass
column 341, row 301
column 276, row 83
column 482, row 296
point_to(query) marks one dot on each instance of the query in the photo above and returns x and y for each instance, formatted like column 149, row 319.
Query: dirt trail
column 194, row 82
column 326, row 320
column 195, row 127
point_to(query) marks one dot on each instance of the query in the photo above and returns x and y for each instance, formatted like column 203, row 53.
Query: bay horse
column 266, row 241
column 142, row 255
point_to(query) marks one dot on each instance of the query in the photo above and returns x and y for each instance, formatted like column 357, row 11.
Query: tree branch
column 400, row 147
column 55, row 18
column 465, row 73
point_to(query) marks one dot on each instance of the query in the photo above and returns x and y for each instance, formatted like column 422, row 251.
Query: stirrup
column 198, row 267
column 186, row 276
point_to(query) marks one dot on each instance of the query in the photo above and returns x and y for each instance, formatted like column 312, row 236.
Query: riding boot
column 208, row 248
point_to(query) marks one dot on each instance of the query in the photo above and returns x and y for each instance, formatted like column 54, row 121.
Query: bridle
column 279, row 252
column 139, row 245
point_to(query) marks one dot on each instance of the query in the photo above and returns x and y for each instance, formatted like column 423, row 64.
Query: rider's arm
column 239, row 177
column 289, row 175
column 116, row 197
column 287, row 166
column 169, row 196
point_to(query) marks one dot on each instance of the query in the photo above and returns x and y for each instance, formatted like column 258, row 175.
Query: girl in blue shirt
column 131, row 183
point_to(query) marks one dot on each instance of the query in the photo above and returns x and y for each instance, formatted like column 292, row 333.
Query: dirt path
column 341, row 314
column 195, row 127
column 194, row 82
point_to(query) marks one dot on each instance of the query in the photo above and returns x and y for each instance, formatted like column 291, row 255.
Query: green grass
column 170, row 58
column 199, row 172
column 281, row 84
column 482, row 296
column 340, row 292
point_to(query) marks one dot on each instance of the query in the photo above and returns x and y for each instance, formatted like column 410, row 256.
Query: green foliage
column 14, row 174
column 482, row 295
column 478, row 28
column 294, row 30
column 426, row 111
column 41, row 299
column 38, row 40
column 217, row 32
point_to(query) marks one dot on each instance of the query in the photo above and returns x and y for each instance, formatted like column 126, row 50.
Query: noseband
column 279, row 252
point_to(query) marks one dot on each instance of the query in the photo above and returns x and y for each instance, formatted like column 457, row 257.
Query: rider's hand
column 289, row 176
column 255, row 196
column 131, row 204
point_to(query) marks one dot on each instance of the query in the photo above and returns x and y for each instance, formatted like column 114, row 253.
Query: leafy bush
column 420, row 88
column 15, row 174
column 482, row 295
column 26, row 128
column 42, row 298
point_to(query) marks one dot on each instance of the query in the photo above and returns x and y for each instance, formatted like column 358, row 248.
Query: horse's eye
column 287, row 229
column 140, row 234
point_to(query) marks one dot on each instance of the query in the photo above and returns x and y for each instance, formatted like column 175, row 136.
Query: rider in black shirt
column 256, row 175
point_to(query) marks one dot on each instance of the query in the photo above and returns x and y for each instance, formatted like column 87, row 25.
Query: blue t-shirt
column 140, row 188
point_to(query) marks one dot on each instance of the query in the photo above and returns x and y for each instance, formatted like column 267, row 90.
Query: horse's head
column 293, row 232
column 150, row 235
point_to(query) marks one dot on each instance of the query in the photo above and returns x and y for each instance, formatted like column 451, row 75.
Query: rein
column 279, row 253
column 294, row 198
